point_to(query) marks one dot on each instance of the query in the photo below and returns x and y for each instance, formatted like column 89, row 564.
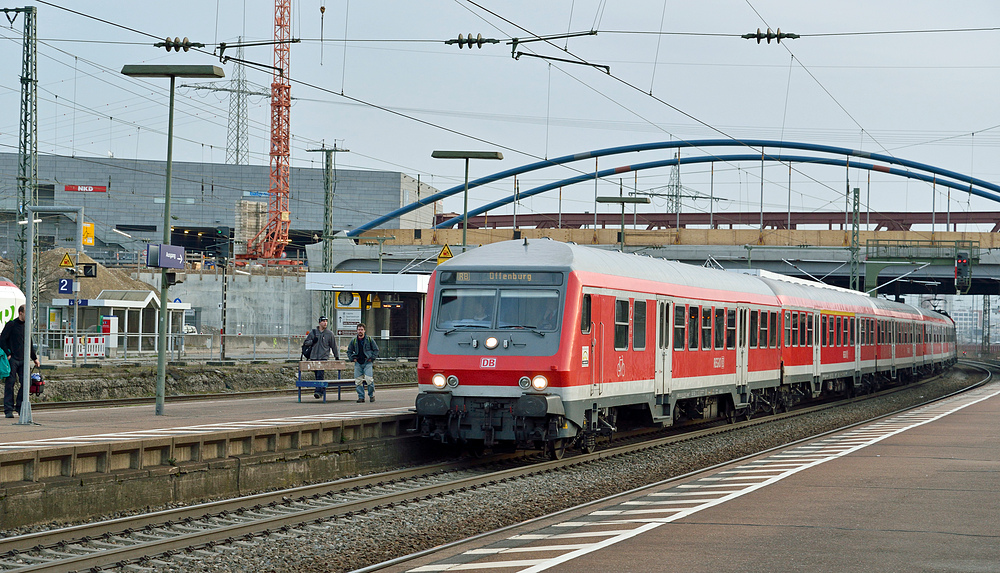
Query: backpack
column 307, row 345
column 4, row 365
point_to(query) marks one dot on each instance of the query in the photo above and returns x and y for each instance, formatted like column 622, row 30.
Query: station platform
column 54, row 428
column 914, row 492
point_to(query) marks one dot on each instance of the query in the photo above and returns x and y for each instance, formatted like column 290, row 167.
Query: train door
column 856, row 343
column 664, row 361
column 742, row 322
column 590, row 339
column 818, row 335
column 892, row 339
column 598, row 343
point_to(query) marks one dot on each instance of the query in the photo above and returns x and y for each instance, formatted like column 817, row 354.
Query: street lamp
column 466, row 155
column 623, row 201
column 173, row 72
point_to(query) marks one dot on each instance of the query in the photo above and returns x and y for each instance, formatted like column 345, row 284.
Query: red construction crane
column 270, row 242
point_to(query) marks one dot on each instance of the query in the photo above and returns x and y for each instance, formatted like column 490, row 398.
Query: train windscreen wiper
column 464, row 326
column 530, row 327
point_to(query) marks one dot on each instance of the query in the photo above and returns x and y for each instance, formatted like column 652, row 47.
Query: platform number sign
column 65, row 286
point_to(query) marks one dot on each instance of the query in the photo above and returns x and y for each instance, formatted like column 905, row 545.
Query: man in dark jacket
column 12, row 343
column 323, row 343
column 363, row 351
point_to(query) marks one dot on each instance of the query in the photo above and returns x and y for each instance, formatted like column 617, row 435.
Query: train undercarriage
column 541, row 423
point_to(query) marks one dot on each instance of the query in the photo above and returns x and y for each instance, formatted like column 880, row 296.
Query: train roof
column 546, row 254
column 557, row 256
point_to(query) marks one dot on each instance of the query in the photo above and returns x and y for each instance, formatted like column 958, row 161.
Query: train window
column 795, row 329
column 774, row 330
column 522, row 308
column 639, row 325
column 664, row 325
column 788, row 328
column 839, row 331
column 854, row 325
column 731, row 328
column 763, row 328
column 802, row 329
column 706, row 328
column 720, row 328
column 809, row 329
column 585, row 314
column 753, row 328
column 621, row 324
column 680, row 321
column 743, row 328
column 467, row 307
column 693, row 328
column 822, row 330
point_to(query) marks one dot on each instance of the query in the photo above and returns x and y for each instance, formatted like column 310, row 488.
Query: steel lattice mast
column 238, row 140
column 271, row 241
column 27, row 156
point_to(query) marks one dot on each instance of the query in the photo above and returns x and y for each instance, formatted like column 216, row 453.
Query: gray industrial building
column 127, row 195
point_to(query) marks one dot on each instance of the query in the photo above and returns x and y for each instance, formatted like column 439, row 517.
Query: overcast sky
column 384, row 85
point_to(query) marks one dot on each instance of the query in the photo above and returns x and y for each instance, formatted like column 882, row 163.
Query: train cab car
column 545, row 344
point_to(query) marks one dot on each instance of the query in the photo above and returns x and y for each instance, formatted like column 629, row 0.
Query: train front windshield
column 501, row 308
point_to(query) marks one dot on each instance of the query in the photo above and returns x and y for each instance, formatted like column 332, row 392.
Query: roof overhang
column 366, row 282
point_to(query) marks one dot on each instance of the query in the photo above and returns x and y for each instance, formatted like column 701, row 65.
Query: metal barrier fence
column 207, row 347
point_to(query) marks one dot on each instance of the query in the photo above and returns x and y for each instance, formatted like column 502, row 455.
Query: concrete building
column 127, row 195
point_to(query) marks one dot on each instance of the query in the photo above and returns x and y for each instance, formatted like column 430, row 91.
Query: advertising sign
column 87, row 188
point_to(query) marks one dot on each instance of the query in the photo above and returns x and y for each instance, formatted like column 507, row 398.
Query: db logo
column 488, row 363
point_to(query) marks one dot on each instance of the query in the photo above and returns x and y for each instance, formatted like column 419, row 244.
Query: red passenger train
column 542, row 344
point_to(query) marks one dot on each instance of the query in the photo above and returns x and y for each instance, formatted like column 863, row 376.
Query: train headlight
column 438, row 380
column 453, row 381
column 524, row 382
column 492, row 342
column 539, row 382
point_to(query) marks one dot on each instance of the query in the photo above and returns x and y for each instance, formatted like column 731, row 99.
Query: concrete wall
column 265, row 304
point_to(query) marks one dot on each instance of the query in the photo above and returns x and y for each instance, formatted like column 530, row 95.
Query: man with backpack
column 318, row 346
column 12, row 343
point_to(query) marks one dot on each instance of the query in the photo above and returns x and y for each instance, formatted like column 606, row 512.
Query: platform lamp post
column 466, row 155
column 622, row 201
column 173, row 72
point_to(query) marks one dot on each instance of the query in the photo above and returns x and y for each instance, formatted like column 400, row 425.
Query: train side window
column 693, row 328
column 706, row 328
column 731, row 328
column 621, row 324
column 802, row 329
column 822, row 330
column 680, row 321
column 788, row 328
column 753, row 328
column 809, row 329
column 774, row 330
column 585, row 315
column 833, row 332
column 639, row 325
column 838, row 331
column 854, row 325
column 795, row 328
column 763, row 328
column 720, row 328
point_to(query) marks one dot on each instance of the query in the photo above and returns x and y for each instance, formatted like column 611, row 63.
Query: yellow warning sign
column 88, row 234
column 66, row 261
column 445, row 254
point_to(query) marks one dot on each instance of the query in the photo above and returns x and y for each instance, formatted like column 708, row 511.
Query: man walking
column 12, row 343
column 322, row 342
column 363, row 351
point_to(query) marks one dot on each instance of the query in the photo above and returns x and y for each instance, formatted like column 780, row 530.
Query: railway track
column 154, row 538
